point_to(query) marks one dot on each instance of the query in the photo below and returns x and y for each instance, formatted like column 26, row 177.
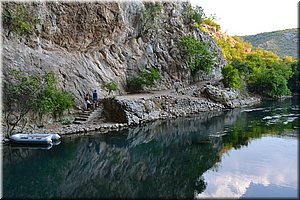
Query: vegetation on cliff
column 18, row 20
column 144, row 78
column 197, row 54
column 257, row 70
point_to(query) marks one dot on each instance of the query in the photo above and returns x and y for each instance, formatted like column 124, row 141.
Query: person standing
column 176, row 85
column 88, row 101
column 95, row 98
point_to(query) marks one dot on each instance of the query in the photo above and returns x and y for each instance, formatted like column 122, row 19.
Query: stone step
column 87, row 112
column 83, row 115
column 81, row 118
column 78, row 122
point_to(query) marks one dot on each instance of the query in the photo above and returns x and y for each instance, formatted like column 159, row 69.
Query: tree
column 19, row 97
column 39, row 94
column 231, row 77
column 110, row 86
column 197, row 54
column 294, row 80
column 269, row 82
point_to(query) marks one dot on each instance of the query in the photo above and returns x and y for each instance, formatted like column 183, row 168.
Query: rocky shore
column 125, row 111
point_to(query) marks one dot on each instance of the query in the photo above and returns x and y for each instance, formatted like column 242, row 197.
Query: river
column 245, row 152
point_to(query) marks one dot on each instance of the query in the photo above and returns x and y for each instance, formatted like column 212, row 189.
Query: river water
column 246, row 152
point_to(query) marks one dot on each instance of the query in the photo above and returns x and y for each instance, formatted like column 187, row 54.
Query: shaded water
column 248, row 152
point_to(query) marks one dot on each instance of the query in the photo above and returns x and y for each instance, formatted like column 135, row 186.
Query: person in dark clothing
column 95, row 98
column 88, row 101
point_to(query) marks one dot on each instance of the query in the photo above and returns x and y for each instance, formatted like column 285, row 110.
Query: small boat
column 55, row 136
column 34, row 138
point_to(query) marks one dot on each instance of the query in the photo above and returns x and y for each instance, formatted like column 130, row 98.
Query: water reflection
column 164, row 159
column 255, row 172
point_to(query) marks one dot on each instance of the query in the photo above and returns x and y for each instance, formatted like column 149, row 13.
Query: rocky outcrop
column 88, row 44
column 145, row 109
column 134, row 110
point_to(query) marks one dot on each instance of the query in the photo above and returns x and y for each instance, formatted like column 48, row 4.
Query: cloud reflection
column 267, row 161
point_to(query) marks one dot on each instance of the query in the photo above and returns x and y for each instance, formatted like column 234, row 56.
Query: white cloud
column 262, row 162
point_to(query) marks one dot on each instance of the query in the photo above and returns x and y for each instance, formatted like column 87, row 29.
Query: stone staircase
column 89, row 115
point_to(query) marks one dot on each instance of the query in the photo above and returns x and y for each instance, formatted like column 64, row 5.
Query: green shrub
column 231, row 77
column 138, row 81
column 53, row 100
column 197, row 54
column 294, row 81
column 110, row 86
column 18, row 20
column 268, row 83
column 35, row 93
column 195, row 13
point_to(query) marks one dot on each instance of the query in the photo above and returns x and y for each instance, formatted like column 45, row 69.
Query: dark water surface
column 247, row 152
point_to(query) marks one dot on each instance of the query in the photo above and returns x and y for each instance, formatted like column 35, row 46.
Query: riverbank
column 129, row 110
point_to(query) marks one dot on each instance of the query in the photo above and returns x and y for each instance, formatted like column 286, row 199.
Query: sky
column 249, row 17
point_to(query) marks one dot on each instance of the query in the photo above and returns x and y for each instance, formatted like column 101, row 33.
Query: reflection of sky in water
column 268, row 166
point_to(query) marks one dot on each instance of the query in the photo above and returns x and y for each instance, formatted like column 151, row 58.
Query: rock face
column 88, row 44
column 137, row 110
column 140, row 110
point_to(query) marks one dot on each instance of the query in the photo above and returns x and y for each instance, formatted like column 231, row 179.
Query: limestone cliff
column 87, row 44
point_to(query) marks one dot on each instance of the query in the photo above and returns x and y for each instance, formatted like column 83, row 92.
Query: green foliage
column 18, row 20
column 144, row 78
column 260, row 71
column 195, row 14
column 294, row 81
column 231, row 77
column 110, row 86
column 233, row 48
column 52, row 100
column 23, row 94
column 270, row 82
column 197, row 54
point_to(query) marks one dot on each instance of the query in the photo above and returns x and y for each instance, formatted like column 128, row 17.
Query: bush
column 18, row 20
column 23, row 94
column 111, row 86
column 268, row 83
column 197, row 54
column 231, row 77
column 144, row 78
column 195, row 13
column 52, row 100
column 294, row 82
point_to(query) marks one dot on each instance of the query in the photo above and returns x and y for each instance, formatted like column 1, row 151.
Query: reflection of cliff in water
column 160, row 159
column 156, row 160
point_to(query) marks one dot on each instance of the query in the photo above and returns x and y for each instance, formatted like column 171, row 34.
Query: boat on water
column 34, row 138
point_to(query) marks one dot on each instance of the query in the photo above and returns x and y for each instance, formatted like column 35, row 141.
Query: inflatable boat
column 34, row 138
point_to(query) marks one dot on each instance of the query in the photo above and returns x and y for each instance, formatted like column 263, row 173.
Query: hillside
column 283, row 42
